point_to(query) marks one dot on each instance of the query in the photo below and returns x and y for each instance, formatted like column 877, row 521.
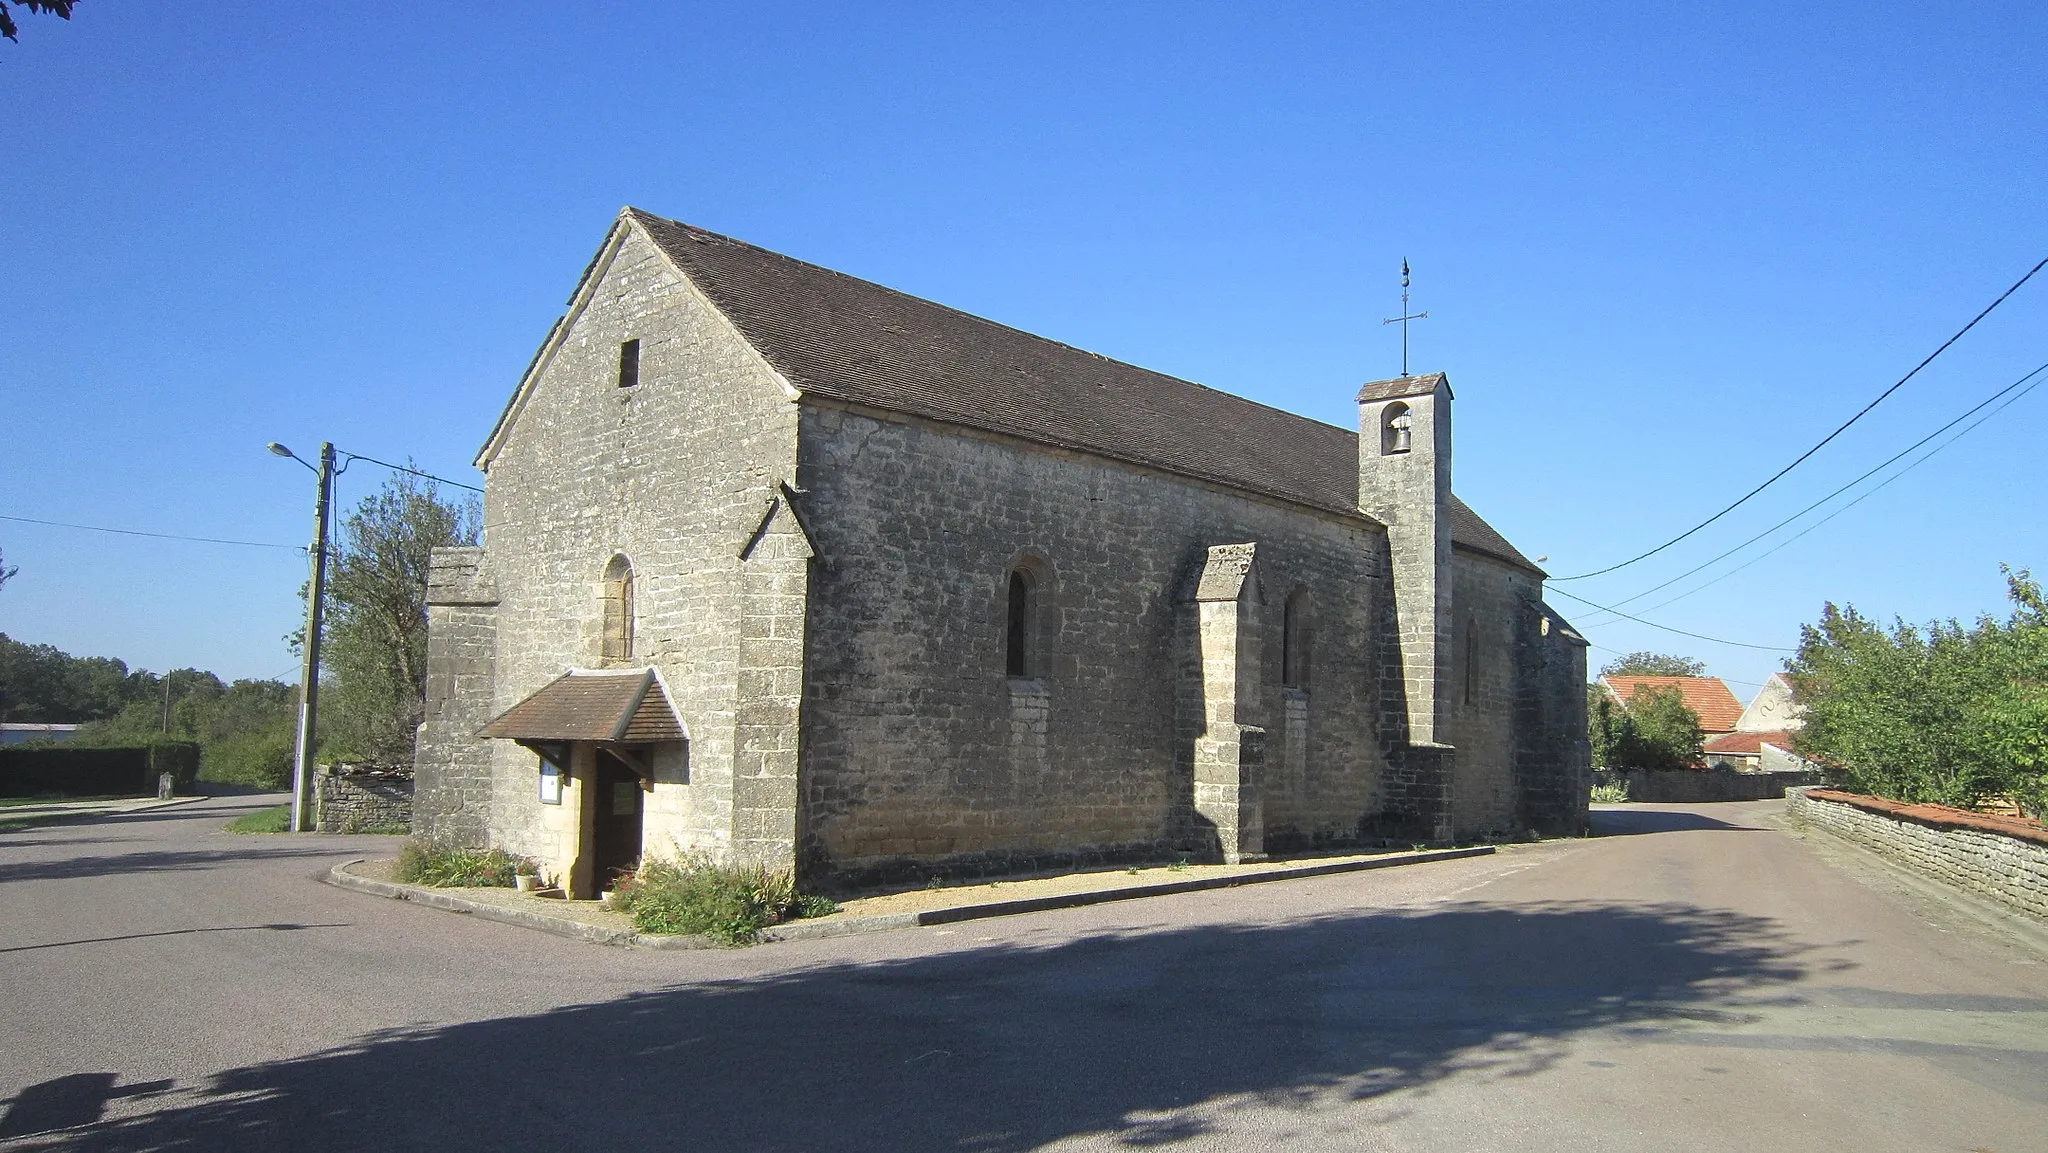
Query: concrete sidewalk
column 592, row 921
column 58, row 810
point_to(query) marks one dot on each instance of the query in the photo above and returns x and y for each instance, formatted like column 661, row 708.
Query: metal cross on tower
column 1405, row 316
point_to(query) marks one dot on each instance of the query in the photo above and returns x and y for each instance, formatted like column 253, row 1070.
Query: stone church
column 784, row 566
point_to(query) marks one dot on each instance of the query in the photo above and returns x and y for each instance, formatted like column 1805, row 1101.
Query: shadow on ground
column 1636, row 822
column 159, row 861
column 1000, row 1048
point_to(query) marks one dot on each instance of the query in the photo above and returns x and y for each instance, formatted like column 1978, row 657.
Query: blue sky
column 1664, row 249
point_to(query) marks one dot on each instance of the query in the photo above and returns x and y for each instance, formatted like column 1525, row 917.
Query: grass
column 397, row 829
column 272, row 820
column 730, row 904
column 453, row 866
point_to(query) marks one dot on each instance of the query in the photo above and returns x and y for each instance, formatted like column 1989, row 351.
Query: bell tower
column 1404, row 482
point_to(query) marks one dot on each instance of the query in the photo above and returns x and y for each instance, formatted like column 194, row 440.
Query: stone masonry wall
column 1701, row 786
column 2007, row 869
column 351, row 798
column 1553, row 760
column 452, row 769
column 914, row 747
column 678, row 474
column 1479, row 716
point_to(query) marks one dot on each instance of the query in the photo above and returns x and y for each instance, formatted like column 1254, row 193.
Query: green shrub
column 730, row 904
column 453, row 866
column 259, row 759
column 271, row 820
column 1611, row 793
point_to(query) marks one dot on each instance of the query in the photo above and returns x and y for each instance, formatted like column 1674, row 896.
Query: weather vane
column 1405, row 316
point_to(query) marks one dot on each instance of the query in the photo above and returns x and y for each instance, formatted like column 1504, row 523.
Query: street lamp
column 309, row 672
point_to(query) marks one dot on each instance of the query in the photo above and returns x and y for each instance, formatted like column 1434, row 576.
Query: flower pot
column 526, row 882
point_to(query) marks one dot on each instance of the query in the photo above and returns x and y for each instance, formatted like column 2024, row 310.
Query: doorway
column 615, row 831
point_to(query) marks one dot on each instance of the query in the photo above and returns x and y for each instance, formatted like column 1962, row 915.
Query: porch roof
column 626, row 706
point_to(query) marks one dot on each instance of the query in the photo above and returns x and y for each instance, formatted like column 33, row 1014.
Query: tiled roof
column 841, row 337
column 625, row 706
column 1707, row 697
column 1748, row 744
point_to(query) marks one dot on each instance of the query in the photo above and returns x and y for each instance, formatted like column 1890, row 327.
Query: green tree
column 1649, row 664
column 58, row 8
column 373, row 693
column 6, row 574
column 43, row 683
column 1655, row 730
column 1946, row 714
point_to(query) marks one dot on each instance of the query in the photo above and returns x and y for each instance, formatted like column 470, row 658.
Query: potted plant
column 526, row 876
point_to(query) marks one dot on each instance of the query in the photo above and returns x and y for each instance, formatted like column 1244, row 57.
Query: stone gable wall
column 677, row 474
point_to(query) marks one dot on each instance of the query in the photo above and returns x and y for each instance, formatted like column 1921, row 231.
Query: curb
column 801, row 931
column 339, row 877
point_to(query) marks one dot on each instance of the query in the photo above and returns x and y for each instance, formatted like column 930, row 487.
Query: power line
column 412, row 472
column 1879, row 487
column 1860, row 413
column 158, row 535
column 1893, row 459
column 1668, row 628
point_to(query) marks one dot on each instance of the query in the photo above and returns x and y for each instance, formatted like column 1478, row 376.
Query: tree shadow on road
column 1142, row 1038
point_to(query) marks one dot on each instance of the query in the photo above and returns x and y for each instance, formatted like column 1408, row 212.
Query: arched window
column 1296, row 630
column 1471, row 660
column 1394, row 429
column 617, row 644
column 1018, row 657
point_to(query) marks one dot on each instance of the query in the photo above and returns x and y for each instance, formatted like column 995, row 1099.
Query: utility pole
column 309, row 673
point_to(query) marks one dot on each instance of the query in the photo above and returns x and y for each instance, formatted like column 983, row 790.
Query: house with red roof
column 1707, row 697
column 1763, row 734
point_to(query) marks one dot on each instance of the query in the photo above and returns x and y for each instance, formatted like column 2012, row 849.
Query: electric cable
column 1860, row 413
column 1875, row 489
column 158, row 535
column 411, row 471
column 1893, row 459
column 1668, row 628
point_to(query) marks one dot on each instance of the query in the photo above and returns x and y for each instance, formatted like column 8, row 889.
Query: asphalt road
column 1699, row 978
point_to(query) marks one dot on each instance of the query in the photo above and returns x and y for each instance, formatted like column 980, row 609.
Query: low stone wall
column 1695, row 786
column 351, row 798
column 1998, row 857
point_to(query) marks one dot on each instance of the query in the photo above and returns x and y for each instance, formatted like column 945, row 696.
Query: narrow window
column 1294, row 641
column 1471, row 659
column 1394, row 434
column 629, row 363
column 1017, row 656
column 618, row 611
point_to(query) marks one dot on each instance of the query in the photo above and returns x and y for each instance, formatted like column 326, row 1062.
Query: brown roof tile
column 1707, row 697
column 845, row 338
column 625, row 706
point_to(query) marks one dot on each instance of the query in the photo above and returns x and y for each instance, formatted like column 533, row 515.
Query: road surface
column 1698, row 978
